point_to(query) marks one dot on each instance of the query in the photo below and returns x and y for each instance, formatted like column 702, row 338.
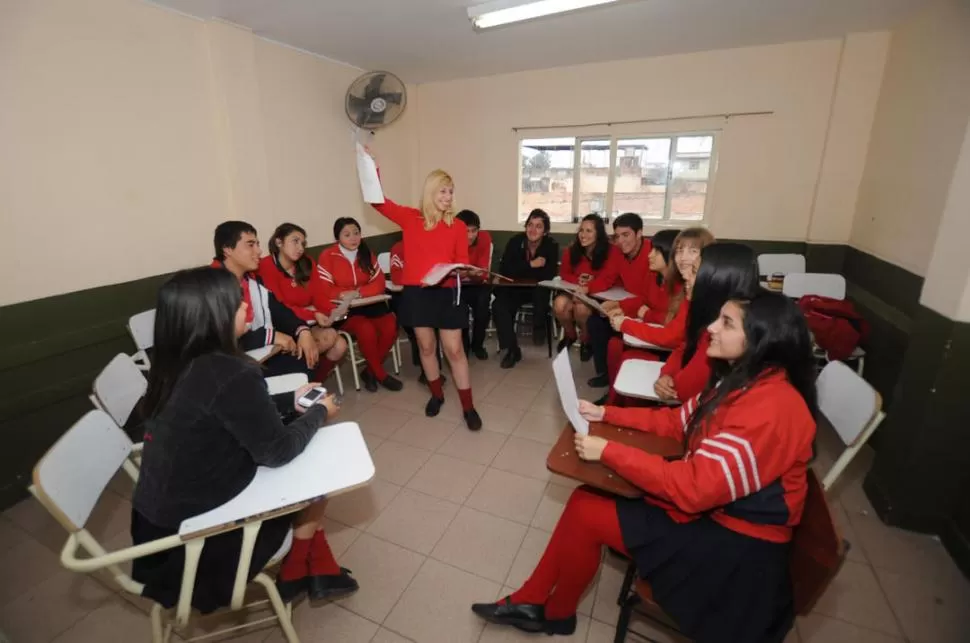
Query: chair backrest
column 847, row 401
column 817, row 549
column 799, row 284
column 73, row 474
column 142, row 329
column 384, row 261
column 118, row 388
column 772, row 264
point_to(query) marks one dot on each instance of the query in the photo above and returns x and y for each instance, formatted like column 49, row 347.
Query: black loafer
column 512, row 357
column 480, row 353
column 585, row 352
column 290, row 590
column 473, row 420
column 564, row 343
column 368, row 380
column 331, row 586
column 526, row 617
column 599, row 381
column 391, row 383
column 433, row 407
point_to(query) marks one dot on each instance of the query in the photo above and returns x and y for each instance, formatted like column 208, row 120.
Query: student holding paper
column 712, row 533
column 350, row 267
column 433, row 235
column 593, row 265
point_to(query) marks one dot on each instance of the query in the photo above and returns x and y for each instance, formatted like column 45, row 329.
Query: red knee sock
column 295, row 566
column 322, row 561
column 324, row 369
column 569, row 332
column 465, row 395
column 436, row 389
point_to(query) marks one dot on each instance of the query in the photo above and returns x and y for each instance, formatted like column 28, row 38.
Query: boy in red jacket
column 476, row 288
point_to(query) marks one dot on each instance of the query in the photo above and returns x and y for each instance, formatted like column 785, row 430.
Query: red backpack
column 837, row 326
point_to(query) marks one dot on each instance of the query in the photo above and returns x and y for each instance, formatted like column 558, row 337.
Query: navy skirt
column 719, row 586
column 432, row 307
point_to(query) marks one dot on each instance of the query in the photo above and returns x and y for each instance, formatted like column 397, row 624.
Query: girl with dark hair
column 291, row 275
column 591, row 263
column 711, row 534
column 349, row 266
column 210, row 422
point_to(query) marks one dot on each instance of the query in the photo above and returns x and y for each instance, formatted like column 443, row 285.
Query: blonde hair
column 698, row 238
column 432, row 184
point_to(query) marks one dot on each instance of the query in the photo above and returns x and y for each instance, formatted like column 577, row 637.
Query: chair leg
column 156, row 617
column 631, row 571
column 851, row 452
column 623, row 622
column 549, row 334
column 340, row 380
column 283, row 612
column 396, row 356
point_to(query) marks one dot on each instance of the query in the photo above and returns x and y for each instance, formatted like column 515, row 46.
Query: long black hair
column 776, row 340
column 601, row 246
column 301, row 270
column 663, row 242
column 728, row 271
column 364, row 256
column 195, row 314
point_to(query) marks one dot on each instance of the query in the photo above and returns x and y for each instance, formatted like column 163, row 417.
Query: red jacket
column 657, row 300
column 670, row 335
column 397, row 263
column 338, row 275
column 602, row 279
column 425, row 248
column 692, row 378
column 480, row 255
column 634, row 273
column 292, row 295
column 745, row 467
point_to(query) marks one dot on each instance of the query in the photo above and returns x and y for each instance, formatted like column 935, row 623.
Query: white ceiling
column 428, row 40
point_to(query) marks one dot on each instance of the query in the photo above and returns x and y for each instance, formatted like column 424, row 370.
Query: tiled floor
column 455, row 517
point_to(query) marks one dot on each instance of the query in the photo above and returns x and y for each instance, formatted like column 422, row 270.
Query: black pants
column 508, row 300
column 479, row 301
column 600, row 331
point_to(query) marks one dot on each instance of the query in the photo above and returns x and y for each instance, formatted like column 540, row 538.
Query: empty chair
column 118, row 388
column 853, row 408
column 773, row 264
column 799, row 284
column 141, row 327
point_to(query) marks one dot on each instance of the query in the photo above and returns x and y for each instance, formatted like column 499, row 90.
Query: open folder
column 566, row 287
column 440, row 271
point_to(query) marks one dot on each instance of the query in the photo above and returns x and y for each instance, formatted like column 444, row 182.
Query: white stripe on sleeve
column 724, row 468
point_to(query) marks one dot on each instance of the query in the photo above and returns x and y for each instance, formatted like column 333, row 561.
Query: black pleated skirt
column 432, row 307
column 718, row 585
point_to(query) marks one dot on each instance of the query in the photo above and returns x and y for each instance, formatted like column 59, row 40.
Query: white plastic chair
column 118, row 387
column 384, row 262
column 853, row 408
column 636, row 379
column 356, row 358
column 773, row 264
column 799, row 284
column 141, row 327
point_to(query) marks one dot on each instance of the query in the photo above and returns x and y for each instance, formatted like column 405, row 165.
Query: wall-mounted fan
column 375, row 99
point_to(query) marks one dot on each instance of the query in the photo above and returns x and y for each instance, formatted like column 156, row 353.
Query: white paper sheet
column 559, row 284
column 563, row 371
column 370, row 183
column 441, row 270
column 613, row 294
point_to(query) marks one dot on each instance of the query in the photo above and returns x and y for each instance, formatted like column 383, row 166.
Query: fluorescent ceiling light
column 503, row 12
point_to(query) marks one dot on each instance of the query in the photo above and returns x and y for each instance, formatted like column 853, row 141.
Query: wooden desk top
column 564, row 460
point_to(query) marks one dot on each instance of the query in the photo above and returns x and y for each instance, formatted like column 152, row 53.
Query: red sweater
column 634, row 273
column 480, row 254
column 425, row 248
column 669, row 336
column 397, row 263
column 292, row 295
column 692, row 378
column 338, row 275
column 656, row 298
column 745, row 468
column 602, row 279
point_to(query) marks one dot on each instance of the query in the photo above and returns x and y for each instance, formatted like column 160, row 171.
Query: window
column 662, row 178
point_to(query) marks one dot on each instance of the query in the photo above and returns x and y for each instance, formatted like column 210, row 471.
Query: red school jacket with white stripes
column 745, row 466
column 338, row 275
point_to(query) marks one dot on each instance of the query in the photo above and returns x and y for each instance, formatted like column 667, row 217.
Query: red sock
column 585, row 338
column 322, row 561
column 436, row 390
column 465, row 395
column 569, row 332
column 295, row 566
column 324, row 368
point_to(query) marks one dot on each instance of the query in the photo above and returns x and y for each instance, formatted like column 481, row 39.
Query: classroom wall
column 922, row 113
column 771, row 182
column 130, row 131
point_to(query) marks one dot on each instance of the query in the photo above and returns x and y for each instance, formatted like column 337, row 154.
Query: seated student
column 291, row 275
column 209, row 424
column 594, row 265
column 397, row 275
column 268, row 321
column 474, row 288
column 634, row 271
column 533, row 255
column 349, row 266
column 712, row 533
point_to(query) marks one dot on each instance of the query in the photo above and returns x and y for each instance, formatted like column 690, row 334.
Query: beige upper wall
column 922, row 113
column 769, row 167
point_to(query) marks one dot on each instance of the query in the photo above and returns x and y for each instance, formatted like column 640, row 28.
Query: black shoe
column 512, row 357
column 473, row 420
column 290, row 590
column 539, row 335
column 585, row 352
column 564, row 343
column 525, row 616
column 332, row 585
column 433, row 407
column 599, row 381
column 480, row 353
column 368, row 380
column 391, row 383
column 603, row 400
column 560, row 626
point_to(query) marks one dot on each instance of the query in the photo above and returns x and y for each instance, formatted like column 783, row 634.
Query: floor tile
column 816, row 628
column 551, row 506
column 448, row 478
column 528, row 378
column 608, row 589
column 436, row 607
column 360, row 507
column 901, row 551
column 499, row 418
column 383, row 570
column 382, row 421
column 524, row 457
column 512, row 396
column 507, row 495
column 480, row 543
column 339, row 535
column 540, row 427
column 855, row 596
column 372, row 442
column 396, row 462
column 507, row 634
column 479, row 447
column 600, row 632
column 856, row 552
column 45, row 610
column 930, row 610
column 10, row 535
column 116, row 620
column 387, row 636
column 414, row 520
column 328, row 622
column 526, row 559
column 424, row 432
column 25, row 566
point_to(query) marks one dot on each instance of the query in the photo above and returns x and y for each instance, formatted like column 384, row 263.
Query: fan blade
column 357, row 103
column 394, row 98
column 374, row 118
column 373, row 89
